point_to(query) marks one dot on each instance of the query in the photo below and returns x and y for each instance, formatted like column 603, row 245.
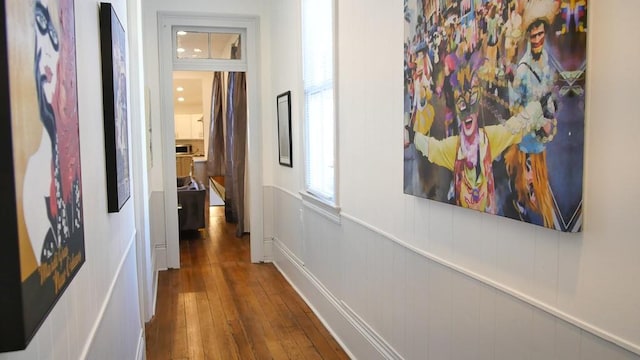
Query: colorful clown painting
column 494, row 105
column 45, row 168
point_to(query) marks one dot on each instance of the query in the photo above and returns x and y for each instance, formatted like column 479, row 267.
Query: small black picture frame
column 114, row 86
column 283, row 103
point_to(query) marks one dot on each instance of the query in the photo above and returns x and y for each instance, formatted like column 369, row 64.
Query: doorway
column 174, row 58
column 210, row 140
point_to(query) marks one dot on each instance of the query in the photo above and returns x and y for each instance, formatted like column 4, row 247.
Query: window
column 199, row 44
column 319, row 117
column 204, row 48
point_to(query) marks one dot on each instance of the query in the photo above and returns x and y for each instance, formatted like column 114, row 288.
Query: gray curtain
column 235, row 145
column 215, row 152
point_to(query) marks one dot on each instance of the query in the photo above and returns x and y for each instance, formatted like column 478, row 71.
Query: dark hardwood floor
column 220, row 306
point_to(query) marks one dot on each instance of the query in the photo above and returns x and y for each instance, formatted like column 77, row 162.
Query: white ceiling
column 191, row 82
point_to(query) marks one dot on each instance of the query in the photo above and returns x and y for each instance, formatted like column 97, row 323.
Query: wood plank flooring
column 220, row 306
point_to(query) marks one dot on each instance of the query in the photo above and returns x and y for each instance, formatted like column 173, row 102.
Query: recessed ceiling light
column 198, row 50
column 179, row 88
column 181, row 99
column 180, row 50
column 182, row 32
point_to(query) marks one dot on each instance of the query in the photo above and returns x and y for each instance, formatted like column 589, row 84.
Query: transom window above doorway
column 204, row 44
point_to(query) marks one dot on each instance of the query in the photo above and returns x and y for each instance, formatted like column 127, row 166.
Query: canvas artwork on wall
column 40, row 176
column 114, row 90
column 494, row 105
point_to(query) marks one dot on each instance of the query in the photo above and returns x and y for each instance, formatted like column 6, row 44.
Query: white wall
column 87, row 316
column 285, row 69
column 406, row 277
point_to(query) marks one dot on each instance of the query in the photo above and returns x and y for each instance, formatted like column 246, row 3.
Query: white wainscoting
column 156, row 223
column 118, row 331
column 384, row 299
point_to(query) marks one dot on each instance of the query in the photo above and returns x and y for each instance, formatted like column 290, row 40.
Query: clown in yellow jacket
column 470, row 154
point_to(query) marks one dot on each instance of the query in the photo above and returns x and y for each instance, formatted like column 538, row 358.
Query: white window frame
column 231, row 64
column 314, row 199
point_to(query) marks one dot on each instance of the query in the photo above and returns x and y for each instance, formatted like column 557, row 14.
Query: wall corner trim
column 267, row 249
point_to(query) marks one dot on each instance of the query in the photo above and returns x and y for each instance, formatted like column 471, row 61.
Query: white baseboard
column 357, row 337
column 141, row 351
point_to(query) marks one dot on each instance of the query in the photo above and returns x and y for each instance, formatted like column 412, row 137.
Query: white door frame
column 250, row 26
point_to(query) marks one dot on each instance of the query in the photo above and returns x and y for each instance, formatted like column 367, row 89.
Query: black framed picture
column 41, row 214
column 114, row 85
column 284, row 129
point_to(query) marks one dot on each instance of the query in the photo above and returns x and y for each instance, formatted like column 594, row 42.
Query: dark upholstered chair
column 191, row 202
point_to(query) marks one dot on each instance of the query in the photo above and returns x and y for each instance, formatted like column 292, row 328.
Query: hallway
column 220, row 306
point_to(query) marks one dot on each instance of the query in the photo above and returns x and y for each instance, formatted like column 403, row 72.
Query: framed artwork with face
column 494, row 100
column 41, row 187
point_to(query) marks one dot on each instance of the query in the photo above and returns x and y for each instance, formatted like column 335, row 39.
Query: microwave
column 183, row 149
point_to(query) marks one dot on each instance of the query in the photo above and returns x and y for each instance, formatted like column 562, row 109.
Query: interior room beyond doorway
column 210, row 130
